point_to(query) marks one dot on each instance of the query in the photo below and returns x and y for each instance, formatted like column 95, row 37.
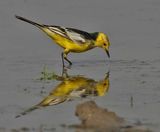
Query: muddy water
column 133, row 28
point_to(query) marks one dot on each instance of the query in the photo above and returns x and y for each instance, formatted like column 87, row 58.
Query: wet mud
column 46, row 101
column 94, row 118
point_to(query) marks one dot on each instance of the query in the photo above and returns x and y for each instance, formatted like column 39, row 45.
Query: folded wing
column 75, row 35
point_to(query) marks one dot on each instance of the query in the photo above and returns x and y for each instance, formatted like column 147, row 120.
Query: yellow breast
column 67, row 43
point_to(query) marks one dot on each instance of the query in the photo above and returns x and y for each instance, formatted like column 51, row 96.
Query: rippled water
column 133, row 28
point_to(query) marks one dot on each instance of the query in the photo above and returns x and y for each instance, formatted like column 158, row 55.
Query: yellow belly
column 66, row 43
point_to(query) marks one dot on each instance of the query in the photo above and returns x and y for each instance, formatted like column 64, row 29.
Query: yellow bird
column 72, row 87
column 72, row 40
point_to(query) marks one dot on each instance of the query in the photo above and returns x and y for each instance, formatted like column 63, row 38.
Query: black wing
column 75, row 35
column 81, row 36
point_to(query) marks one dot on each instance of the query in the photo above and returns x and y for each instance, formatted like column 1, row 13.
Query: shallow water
column 133, row 28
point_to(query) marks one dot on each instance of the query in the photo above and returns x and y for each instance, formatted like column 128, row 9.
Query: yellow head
column 102, row 41
column 102, row 86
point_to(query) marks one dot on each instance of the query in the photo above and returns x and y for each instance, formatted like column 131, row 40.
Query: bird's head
column 102, row 86
column 102, row 41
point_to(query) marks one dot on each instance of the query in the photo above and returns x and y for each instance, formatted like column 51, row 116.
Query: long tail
column 48, row 101
column 28, row 111
column 29, row 21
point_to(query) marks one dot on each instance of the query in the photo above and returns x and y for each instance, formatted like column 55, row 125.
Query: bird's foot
column 64, row 71
column 69, row 66
column 65, row 68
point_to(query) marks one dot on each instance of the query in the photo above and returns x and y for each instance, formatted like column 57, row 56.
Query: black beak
column 108, row 53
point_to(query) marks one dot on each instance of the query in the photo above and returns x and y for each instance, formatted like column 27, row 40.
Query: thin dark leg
column 70, row 63
column 63, row 68
column 62, row 56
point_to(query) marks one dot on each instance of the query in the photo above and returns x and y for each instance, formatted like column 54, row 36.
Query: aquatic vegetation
column 47, row 75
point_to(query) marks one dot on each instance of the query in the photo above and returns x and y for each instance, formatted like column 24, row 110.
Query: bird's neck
column 97, row 44
column 91, row 46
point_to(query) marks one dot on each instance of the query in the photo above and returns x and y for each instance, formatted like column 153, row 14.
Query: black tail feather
column 29, row 21
column 28, row 111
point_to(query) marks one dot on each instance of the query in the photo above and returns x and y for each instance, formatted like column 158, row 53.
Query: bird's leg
column 65, row 74
column 64, row 56
column 63, row 68
column 66, row 51
column 70, row 63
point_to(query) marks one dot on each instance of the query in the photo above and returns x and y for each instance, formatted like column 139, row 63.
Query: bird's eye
column 104, row 44
column 105, row 84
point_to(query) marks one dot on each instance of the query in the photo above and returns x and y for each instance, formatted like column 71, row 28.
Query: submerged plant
column 47, row 75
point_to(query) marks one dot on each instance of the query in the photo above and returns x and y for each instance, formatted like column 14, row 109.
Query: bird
column 71, row 39
column 70, row 88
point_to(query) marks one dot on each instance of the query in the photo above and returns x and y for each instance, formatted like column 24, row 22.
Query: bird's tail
column 48, row 101
column 29, row 21
column 28, row 111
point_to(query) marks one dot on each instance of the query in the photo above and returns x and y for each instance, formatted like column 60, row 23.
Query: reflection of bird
column 73, row 40
column 73, row 87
